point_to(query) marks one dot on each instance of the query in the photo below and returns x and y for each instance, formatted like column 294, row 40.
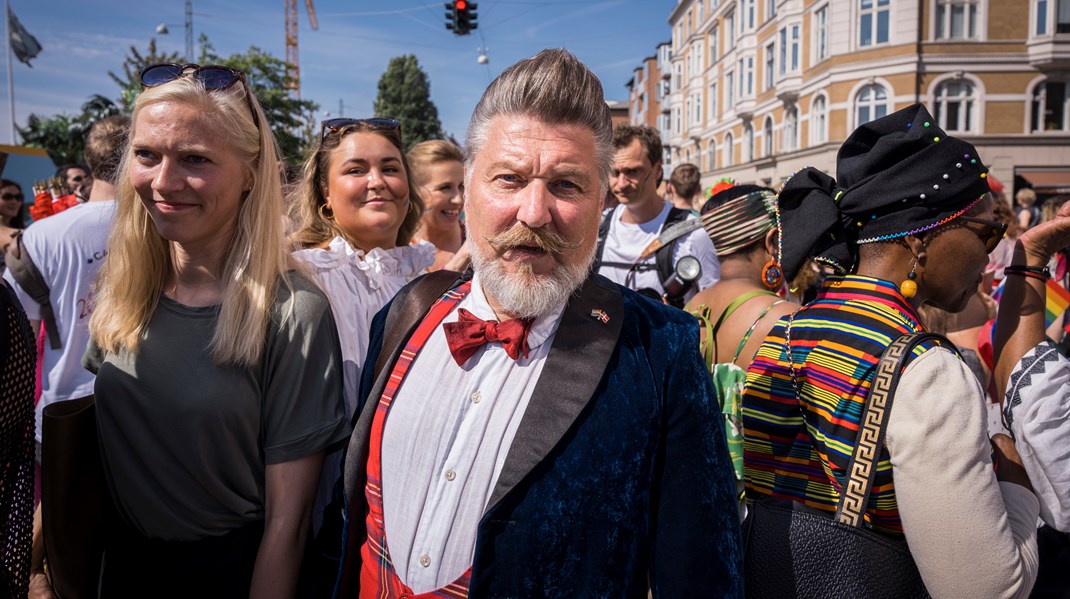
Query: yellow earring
column 909, row 288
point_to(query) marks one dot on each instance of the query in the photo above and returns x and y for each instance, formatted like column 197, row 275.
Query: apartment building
column 761, row 88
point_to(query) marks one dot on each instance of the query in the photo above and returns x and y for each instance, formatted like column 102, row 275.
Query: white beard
column 524, row 294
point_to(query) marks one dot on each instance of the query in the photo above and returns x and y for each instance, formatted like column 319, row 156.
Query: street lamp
column 163, row 30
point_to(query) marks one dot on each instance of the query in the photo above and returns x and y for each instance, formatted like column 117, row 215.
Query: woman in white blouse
column 357, row 209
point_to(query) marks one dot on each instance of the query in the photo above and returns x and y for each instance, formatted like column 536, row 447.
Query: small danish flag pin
column 600, row 316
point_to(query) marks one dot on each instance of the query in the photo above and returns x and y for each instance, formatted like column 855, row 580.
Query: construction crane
column 293, row 69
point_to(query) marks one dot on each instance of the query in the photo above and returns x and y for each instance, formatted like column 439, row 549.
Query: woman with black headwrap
column 907, row 221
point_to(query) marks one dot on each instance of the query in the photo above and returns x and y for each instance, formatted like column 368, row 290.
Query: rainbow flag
column 1056, row 300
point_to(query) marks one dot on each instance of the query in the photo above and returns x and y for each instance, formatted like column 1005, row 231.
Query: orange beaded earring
column 909, row 288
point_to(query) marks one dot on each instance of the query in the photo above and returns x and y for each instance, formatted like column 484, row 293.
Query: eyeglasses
column 10, row 197
column 335, row 125
column 212, row 77
column 991, row 234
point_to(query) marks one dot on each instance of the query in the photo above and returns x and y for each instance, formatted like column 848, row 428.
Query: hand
column 1043, row 240
column 39, row 587
column 1009, row 466
column 459, row 262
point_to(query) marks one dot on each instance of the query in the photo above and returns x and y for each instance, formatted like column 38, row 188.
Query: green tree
column 128, row 82
column 63, row 136
column 290, row 117
column 405, row 94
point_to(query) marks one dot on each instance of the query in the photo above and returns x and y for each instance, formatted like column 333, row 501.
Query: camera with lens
column 688, row 270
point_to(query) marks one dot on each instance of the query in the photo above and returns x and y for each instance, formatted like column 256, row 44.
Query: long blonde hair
column 307, row 203
column 139, row 259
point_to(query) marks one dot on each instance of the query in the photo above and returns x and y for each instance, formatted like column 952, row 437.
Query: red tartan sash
column 378, row 580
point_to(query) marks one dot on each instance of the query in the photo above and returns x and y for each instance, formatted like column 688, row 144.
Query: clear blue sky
column 344, row 59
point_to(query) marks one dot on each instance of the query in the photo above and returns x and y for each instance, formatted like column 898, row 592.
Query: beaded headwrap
column 740, row 222
column 898, row 175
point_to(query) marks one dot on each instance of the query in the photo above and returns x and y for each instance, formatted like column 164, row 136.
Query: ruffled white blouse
column 358, row 284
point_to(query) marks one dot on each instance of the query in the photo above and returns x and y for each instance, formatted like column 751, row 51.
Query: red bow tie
column 470, row 332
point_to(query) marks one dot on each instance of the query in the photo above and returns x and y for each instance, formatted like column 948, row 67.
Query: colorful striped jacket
column 799, row 448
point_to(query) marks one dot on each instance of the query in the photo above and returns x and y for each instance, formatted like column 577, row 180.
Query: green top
column 185, row 441
column 728, row 378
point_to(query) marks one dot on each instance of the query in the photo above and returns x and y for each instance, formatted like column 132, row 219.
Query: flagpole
column 10, row 69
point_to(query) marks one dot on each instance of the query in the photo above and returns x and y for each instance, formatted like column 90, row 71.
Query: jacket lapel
column 582, row 347
column 405, row 314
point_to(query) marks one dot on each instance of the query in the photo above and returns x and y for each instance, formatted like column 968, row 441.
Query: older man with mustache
column 537, row 430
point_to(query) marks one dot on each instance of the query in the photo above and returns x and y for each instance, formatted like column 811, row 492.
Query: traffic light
column 460, row 17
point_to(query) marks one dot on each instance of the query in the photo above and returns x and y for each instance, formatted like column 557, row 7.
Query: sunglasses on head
column 335, row 125
column 8, row 197
column 992, row 232
column 212, row 77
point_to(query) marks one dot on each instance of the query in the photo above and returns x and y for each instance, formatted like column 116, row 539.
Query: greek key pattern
column 869, row 441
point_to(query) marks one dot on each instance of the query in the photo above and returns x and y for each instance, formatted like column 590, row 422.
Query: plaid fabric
column 799, row 448
column 378, row 579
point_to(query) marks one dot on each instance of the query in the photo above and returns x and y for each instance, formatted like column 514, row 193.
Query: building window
column 770, row 9
column 770, row 56
column 730, row 90
column 746, row 76
column 955, row 103
column 873, row 22
column 687, row 111
column 1061, row 16
column 728, row 143
column 698, row 11
column 713, row 102
column 715, row 50
column 730, row 28
column 749, row 16
column 819, row 121
column 870, row 104
column 956, row 19
column 677, row 76
column 1051, row 105
column 676, row 118
column 767, row 137
column 748, row 143
column 789, row 135
column 789, row 49
column 711, row 155
column 696, row 105
column 821, row 33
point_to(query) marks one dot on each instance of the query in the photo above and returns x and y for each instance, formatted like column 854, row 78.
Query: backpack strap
column 33, row 283
column 603, row 233
column 663, row 257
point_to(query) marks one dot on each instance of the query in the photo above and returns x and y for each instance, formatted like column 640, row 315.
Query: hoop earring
column 772, row 275
column 326, row 213
column 909, row 288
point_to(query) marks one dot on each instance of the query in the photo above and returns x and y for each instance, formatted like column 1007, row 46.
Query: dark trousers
column 221, row 566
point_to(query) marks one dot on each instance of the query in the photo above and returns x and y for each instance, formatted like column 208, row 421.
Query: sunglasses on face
column 992, row 232
column 212, row 77
column 10, row 197
column 331, row 126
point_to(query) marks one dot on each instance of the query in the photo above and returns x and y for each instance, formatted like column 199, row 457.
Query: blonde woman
column 357, row 211
column 218, row 387
column 438, row 167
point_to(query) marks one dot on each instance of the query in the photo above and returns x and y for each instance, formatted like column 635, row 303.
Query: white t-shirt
column 67, row 249
column 625, row 242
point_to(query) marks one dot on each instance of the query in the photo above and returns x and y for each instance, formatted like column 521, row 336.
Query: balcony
column 1050, row 53
column 788, row 87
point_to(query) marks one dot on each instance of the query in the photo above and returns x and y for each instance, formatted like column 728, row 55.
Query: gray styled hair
column 554, row 87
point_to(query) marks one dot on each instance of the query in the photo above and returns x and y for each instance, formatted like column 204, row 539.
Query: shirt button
column 425, row 560
column 476, row 397
column 450, row 474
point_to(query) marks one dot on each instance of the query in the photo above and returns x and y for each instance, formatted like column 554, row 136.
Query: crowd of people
column 534, row 366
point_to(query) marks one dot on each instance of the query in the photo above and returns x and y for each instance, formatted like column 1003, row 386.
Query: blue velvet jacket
column 619, row 475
